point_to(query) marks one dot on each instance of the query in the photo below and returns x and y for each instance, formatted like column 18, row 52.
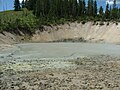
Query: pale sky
column 111, row 1
column 21, row 0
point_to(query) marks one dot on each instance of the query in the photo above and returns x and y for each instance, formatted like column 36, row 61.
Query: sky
column 9, row 4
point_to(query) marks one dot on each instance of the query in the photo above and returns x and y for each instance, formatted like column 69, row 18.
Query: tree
column 95, row 8
column 90, row 8
column 101, row 13
column 74, row 8
column 17, row 5
column 114, row 4
column 23, row 4
column 30, row 4
column 66, row 8
column 107, row 12
column 83, row 7
column 114, row 13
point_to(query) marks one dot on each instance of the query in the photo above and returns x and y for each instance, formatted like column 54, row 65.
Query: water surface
column 61, row 50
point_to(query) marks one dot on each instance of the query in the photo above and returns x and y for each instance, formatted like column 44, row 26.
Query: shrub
column 107, row 24
column 83, row 22
column 116, row 23
column 101, row 23
column 97, row 23
column 94, row 22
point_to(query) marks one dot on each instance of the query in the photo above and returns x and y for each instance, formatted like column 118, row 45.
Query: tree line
column 69, row 9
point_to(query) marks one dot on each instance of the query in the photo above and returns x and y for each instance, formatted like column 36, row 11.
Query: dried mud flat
column 88, row 73
column 60, row 66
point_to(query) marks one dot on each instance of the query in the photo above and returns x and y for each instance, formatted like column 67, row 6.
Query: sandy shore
column 88, row 73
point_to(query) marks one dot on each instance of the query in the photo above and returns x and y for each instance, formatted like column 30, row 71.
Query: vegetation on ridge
column 31, row 14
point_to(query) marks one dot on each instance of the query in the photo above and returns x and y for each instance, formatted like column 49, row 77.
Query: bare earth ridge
column 90, row 32
column 75, row 32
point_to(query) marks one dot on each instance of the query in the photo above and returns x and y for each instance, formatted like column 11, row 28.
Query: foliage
column 35, row 13
column 23, row 4
column 17, row 5
column 14, row 20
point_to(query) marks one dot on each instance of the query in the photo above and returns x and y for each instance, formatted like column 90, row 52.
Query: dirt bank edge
column 107, row 32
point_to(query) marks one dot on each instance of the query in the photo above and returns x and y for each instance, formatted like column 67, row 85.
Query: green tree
column 114, row 13
column 101, row 13
column 75, row 8
column 17, row 5
column 66, row 10
column 114, row 3
column 30, row 4
column 81, row 7
column 107, row 12
column 90, row 8
column 23, row 4
column 95, row 8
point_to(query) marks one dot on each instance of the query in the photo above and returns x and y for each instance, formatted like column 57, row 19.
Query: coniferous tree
column 23, row 4
column 83, row 7
column 114, row 3
column 17, row 5
column 70, row 7
column 66, row 10
column 107, row 12
column 30, row 4
column 95, row 8
column 38, row 10
column 80, row 8
column 75, row 8
column 114, row 13
column 90, row 8
column 101, row 13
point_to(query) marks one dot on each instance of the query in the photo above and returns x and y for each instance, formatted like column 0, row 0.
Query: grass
column 22, row 20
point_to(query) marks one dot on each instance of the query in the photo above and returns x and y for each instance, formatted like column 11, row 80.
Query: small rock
column 51, row 74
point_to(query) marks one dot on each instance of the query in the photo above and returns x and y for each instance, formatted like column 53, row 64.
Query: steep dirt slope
column 92, row 33
column 68, row 32
column 7, row 38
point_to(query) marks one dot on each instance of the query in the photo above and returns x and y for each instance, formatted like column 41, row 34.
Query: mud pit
column 60, row 66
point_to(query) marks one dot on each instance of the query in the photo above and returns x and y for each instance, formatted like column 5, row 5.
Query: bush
column 22, row 20
column 94, row 23
column 101, row 23
column 107, row 24
column 97, row 23
column 83, row 22
column 116, row 23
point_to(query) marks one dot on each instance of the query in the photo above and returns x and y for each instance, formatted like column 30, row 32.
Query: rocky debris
column 81, row 39
column 91, row 73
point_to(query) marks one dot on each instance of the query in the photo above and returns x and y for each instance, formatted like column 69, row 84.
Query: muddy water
column 40, row 56
column 60, row 50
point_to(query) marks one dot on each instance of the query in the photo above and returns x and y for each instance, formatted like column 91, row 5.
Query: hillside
column 81, row 32
column 23, row 26
column 88, row 32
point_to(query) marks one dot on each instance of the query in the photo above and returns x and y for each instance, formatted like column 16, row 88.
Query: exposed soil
column 60, row 66
column 69, row 32
column 88, row 73
column 78, row 32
